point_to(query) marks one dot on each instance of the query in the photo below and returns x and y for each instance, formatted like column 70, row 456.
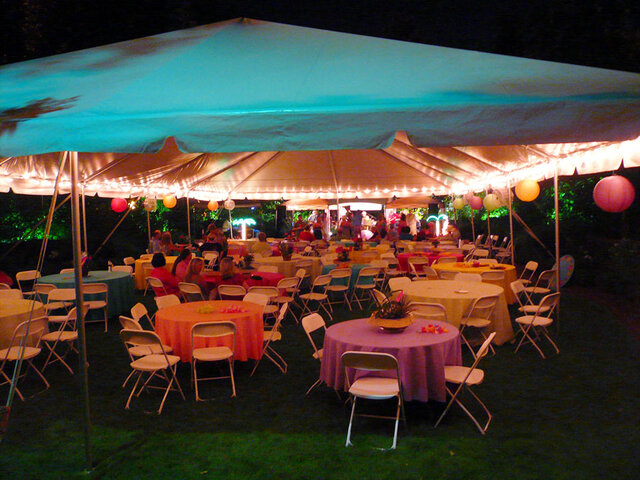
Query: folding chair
column 399, row 283
column 66, row 335
column 273, row 335
column 417, row 266
column 526, row 305
column 130, row 261
column 167, row 301
column 210, row 259
column 441, row 260
column 161, row 365
column 156, row 285
column 4, row 286
column 373, row 387
column 310, row 324
column 480, row 253
column 272, row 294
column 59, row 299
column 123, row 268
column 527, row 273
column 11, row 294
column 257, row 298
column 25, row 344
column 545, row 284
column 42, row 291
column 288, row 288
column 493, row 276
column 379, row 297
column 231, row 292
column 465, row 378
column 365, row 283
column 191, row 292
column 139, row 311
column 340, row 286
column 307, row 265
column 487, row 261
column 26, row 282
column 478, row 317
column 538, row 323
column 447, row 274
column 428, row 311
column 320, row 282
column 102, row 303
column 212, row 330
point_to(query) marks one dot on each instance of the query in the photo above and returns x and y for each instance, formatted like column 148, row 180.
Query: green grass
column 574, row 415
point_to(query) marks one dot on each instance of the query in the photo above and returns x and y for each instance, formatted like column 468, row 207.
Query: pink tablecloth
column 421, row 356
column 237, row 250
column 267, row 279
column 403, row 258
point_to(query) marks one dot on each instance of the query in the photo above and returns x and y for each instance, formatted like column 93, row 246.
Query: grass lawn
column 574, row 415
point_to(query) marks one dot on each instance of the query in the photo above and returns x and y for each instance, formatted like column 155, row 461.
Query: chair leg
column 353, row 409
column 316, row 383
column 233, row 382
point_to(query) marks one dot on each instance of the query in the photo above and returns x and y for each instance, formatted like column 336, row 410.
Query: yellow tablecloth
column 139, row 270
column 456, row 297
column 288, row 267
column 509, row 270
column 364, row 256
column 14, row 312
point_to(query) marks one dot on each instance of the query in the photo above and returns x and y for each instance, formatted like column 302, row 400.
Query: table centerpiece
column 393, row 315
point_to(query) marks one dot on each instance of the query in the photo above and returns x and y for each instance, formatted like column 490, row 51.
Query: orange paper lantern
column 169, row 201
column 527, row 190
column 212, row 205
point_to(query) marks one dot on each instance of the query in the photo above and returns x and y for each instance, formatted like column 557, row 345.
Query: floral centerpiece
column 245, row 263
column 343, row 254
column 435, row 243
column 392, row 315
column 286, row 250
column 357, row 243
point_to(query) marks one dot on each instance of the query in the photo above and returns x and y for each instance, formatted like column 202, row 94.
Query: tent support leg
column 513, row 243
column 148, row 226
column 84, row 221
column 188, row 221
column 557, row 209
column 77, row 255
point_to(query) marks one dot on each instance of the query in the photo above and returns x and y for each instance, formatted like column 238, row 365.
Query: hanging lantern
column 229, row 204
column 469, row 196
column 118, row 205
column 491, row 202
column 614, row 194
column 150, row 204
column 212, row 205
column 527, row 190
column 459, row 203
column 169, row 201
column 476, row 202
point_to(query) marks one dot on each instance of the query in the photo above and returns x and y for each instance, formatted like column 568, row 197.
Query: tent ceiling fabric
column 310, row 113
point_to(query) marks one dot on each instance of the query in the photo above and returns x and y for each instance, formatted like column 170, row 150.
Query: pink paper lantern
column 118, row 205
column 614, row 194
column 476, row 202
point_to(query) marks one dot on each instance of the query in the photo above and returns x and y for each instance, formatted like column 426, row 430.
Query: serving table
column 173, row 326
column 421, row 356
column 457, row 297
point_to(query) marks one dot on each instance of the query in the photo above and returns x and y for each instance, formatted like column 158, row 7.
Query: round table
column 288, row 267
column 457, row 297
column 510, row 274
column 140, row 273
column 403, row 258
column 253, row 278
column 173, row 325
column 421, row 356
column 120, row 288
column 12, row 313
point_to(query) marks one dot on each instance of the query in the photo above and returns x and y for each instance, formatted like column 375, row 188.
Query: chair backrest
column 379, row 297
column 482, row 351
column 306, row 264
column 399, row 283
column 154, row 283
column 546, row 279
column 310, row 324
column 231, row 292
column 367, row 273
column 4, row 286
column 494, row 275
column 11, row 294
column 190, row 291
column 269, row 292
column 95, row 288
column 480, row 253
column 210, row 258
column 388, row 255
column 483, row 307
column 479, row 239
column 528, row 271
column 213, row 330
column 418, row 261
column 167, row 301
column 257, row 298
column 138, row 311
column 31, row 329
column 321, row 281
column 447, row 274
column 370, row 361
column 268, row 268
column 429, row 272
column 446, row 260
column 67, row 270
column 63, row 294
column 341, row 273
column 288, row 282
column 131, row 260
column 26, row 279
column 129, row 323
column 142, row 338
column 487, row 261
column 122, row 268
column 467, row 277
column 144, row 256
column 548, row 301
column 379, row 263
column 431, row 311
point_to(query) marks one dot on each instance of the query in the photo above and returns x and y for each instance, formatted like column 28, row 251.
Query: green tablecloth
column 120, row 288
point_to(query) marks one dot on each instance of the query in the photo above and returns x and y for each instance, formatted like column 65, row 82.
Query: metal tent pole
column 82, row 346
column 188, row 220
column 473, row 228
column 84, row 221
column 557, row 209
column 513, row 243
column 148, row 226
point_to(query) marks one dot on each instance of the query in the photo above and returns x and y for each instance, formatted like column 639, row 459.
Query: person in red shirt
column 307, row 236
column 159, row 271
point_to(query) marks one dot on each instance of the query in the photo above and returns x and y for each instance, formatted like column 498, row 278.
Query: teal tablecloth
column 351, row 243
column 120, row 288
column 355, row 271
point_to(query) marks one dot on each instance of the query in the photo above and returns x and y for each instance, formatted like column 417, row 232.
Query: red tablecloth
column 421, row 356
column 173, row 326
column 267, row 279
column 236, row 249
column 403, row 258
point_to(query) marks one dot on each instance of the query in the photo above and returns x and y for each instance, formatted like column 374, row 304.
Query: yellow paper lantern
column 459, row 203
column 212, row 205
column 527, row 190
column 169, row 201
column 491, row 202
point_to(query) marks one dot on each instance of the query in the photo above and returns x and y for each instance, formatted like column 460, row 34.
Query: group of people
column 161, row 242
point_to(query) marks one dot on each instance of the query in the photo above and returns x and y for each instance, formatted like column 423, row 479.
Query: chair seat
column 313, row 296
column 375, row 387
column 475, row 322
column 95, row 304
column 318, row 354
column 141, row 351
column 457, row 374
column 56, row 318
column 57, row 305
column 538, row 290
column 270, row 309
column 151, row 363
column 337, row 288
column 60, row 335
column 13, row 353
column 284, row 299
column 535, row 320
column 366, row 287
column 212, row 354
column 272, row 335
column 533, row 309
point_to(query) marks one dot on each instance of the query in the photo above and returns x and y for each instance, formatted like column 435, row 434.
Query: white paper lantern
column 229, row 204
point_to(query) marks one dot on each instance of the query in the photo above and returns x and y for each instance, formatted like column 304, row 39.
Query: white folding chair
column 257, row 298
column 373, row 387
column 139, row 311
column 545, row 284
column 151, row 365
column 339, row 286
column 154, row 284
column 417, row 267
column 26, row 281
column 66, row 336
column 11, row 294
column 58, row 299
column 102, row 303
column 527, row 273
column 167, row 301
column 480, row 253
column 130, row 261
column 428, row 311
column 478, row 317
column 287, row 290
column 271, row 335
column 25, row 344
column 123, row 268
column 310, row 324
column 493, row 275
column 399, row 283
column 212, row 330
column 533, row 327
column 321, row 282
column 210, row 259
column 231, row 292
column 447, row 274
column 365, row 284
column 441, row 260
column 272, row 294
column 465, row 378
column 467, row 277
column 191, row 292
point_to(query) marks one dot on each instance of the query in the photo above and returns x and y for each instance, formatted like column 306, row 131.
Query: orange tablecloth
column 509, row 270
column 173, row 325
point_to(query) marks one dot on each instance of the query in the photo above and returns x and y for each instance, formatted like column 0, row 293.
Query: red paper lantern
column 476, row 202
column 118, row 205
column 614, row 194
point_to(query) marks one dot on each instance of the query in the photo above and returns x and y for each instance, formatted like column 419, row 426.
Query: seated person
column 261, row 246
column 154, row 243
column 230, row 275
column 166, row 244
column 193, row 275
column 181, row 264
column 306, row 236
column 405, row 233
column 161, row 273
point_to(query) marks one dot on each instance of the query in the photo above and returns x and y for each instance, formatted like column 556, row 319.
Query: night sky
column 587, row 32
